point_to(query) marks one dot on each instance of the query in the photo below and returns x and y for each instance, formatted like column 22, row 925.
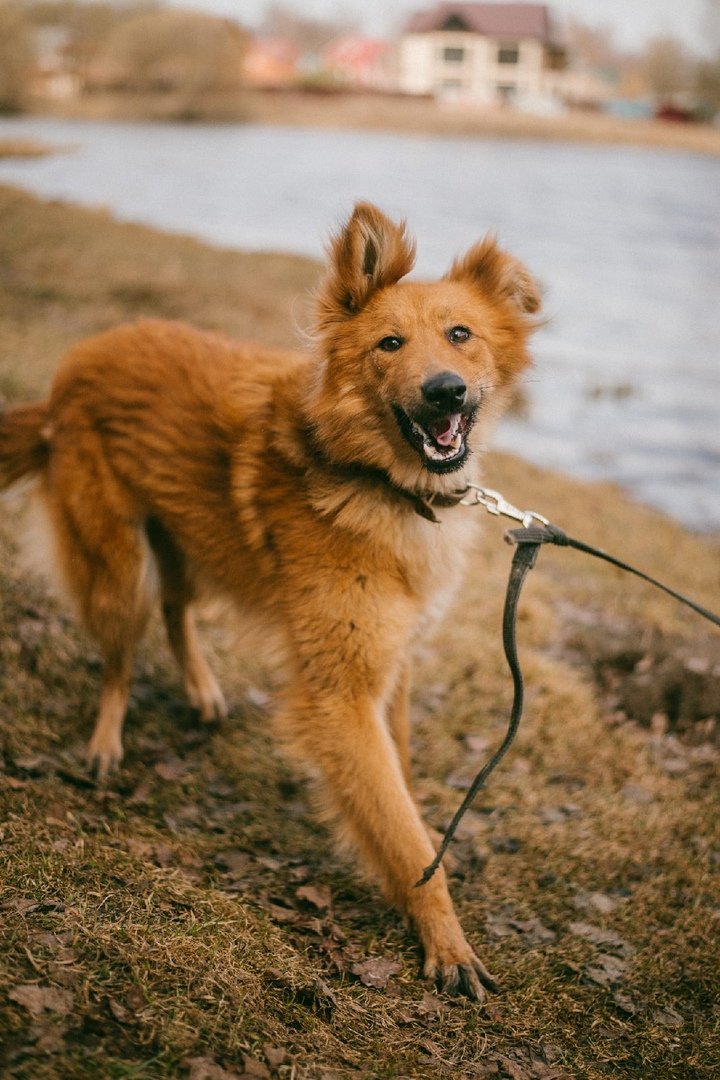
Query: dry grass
column 23, row 148
column 191, row 918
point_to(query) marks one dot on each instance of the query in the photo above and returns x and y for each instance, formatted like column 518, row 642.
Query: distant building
column 484, row 53
column 271, row 62
column 360, row 63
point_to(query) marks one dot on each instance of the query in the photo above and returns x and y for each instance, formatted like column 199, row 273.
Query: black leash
column 528, row 541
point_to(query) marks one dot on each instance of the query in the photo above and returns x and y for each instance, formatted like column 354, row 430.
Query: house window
column 453, row 55
column 507, row 93
column 508, row 53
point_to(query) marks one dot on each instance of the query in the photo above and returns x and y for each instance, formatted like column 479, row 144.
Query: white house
column 485, row 53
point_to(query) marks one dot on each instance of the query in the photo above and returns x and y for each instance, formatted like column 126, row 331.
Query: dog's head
column 410, row 369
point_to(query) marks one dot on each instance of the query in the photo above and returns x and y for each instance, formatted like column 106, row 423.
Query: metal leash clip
column 497, row 505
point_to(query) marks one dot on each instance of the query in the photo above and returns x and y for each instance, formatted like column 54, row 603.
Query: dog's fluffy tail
column 23, row 443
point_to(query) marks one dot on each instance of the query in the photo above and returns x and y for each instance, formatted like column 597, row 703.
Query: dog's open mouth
column 441, row 441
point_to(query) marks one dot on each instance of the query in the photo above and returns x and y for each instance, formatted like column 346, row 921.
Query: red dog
column 315, row 490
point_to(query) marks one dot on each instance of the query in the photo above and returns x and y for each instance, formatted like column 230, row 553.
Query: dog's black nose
column 445, row 391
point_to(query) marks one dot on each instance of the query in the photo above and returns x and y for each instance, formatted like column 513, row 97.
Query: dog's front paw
column 466, row 977
column 103, row 756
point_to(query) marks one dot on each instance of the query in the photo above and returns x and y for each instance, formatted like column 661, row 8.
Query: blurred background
column 585, row 132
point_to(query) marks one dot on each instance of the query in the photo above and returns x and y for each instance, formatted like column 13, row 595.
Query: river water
column 626, row 242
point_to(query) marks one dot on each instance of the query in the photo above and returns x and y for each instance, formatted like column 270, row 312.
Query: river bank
column 392, row 113
column 191, row 919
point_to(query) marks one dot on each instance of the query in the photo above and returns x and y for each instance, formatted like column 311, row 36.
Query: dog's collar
column 423, row 503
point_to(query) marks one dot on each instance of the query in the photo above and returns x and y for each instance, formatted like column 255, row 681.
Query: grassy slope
column 160, row 918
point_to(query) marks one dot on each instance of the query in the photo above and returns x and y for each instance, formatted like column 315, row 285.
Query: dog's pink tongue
column 444, row 431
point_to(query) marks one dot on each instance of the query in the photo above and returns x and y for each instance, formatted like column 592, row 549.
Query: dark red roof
column 494, row 20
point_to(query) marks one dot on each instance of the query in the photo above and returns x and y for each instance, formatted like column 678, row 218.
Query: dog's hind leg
column 104, row 563
column 177, row 594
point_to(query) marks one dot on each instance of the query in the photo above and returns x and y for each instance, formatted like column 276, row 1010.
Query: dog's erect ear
column 370, row 252
column 501, row 275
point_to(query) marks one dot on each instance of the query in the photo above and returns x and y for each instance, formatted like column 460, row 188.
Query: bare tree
column 16, row 57
column 707, row 86
column 592, row 46
column 173, row 50
column 311, row 36
column 668, row 67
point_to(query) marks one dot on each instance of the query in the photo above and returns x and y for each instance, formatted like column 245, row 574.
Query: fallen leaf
column 318, row 997
column 513, row 1070
column 477, row 744
column 506, row 845
column 135, row 999
column 119, row 1011
column 533, row 933
column 274, row 1056
column 299, row 873
column 608, row 970
column 141, row 849
column 282, row 914
column 494, row 1013
column 221, row 787
column 162, row 855
column 431, row 1048
column 173, row 768
column 36, row 998
column 206, row 1068
column 431, row 1005
column 608, row 939
column 600, row 902
column 232, row 861
column 625, row 1004
column 16, row 785
column 270, row 863
column 470, row 826
column 142, row 792
column 461, row 779
column 21, row 904
column 552, row 815
column 668, row 1017
column 48, row 1035
column 376, row 972
column 253, row 1067
column 317, row 895
column 636, row 793
column 498, row 926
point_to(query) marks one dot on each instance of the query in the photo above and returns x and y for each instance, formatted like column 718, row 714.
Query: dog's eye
column 458, row 334
column 391, row 344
